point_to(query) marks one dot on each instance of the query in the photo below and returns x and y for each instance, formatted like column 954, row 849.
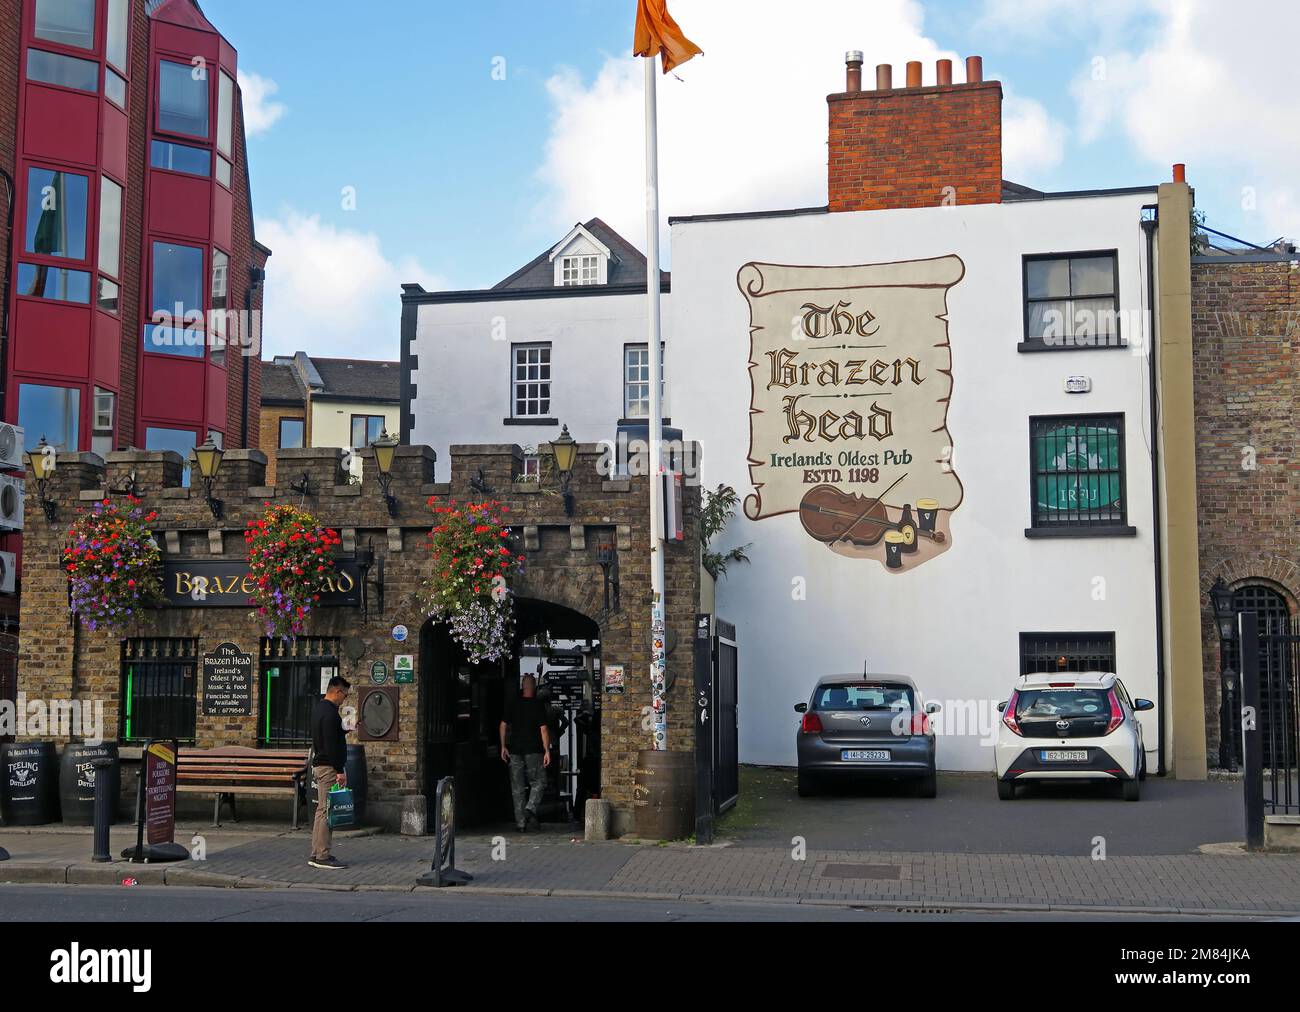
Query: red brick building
column 132, row 276
column 1246, row 325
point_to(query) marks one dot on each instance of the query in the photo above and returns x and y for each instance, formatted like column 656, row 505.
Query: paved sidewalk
column 556, row 864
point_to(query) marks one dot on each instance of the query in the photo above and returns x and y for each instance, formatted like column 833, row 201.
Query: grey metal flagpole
column 658, row 661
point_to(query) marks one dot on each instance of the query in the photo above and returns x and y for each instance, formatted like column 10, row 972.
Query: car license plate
column 1056, row 755
column 853, row 755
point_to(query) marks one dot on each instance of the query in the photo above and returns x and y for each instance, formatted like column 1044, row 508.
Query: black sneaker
column 329, row 863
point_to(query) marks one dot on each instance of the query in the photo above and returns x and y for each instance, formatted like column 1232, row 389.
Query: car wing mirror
column 800, row 707
column 1141, row 705
column 1002, row 706
column 933, row 707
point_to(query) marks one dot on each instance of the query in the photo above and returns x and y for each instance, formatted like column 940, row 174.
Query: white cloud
column 260, row 111
column 331, row 291
column 742, row 127
column 1212, row 87
column 1032, row 142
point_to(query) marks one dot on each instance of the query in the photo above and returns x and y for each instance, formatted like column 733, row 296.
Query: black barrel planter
column 29, row 783
column 663, row 795
column 356, row 771
column 77, row 781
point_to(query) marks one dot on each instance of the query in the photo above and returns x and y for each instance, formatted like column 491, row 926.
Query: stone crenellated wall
column 60, row 660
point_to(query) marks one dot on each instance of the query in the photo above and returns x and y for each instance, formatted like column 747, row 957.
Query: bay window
column 64, row 71
column 67, row 22
column 176, row 307
column 56, row 213
column 52, row 413
column 182, row 99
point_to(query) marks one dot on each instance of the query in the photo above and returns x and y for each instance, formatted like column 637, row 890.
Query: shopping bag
column 341, row 811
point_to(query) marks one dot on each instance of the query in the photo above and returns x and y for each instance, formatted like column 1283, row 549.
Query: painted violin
column 829, row 516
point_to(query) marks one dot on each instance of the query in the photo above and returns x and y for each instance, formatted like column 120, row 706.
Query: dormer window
column 580, row 258
column 580, row 270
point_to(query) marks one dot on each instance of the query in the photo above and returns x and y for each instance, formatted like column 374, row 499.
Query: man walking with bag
column 329, row 762
column 526, row 746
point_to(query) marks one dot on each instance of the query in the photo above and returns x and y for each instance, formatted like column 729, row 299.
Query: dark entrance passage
column 464, row 703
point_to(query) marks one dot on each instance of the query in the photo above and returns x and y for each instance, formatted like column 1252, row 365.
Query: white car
column 1071, row 727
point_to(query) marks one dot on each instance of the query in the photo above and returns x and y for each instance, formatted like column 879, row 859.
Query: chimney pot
column 884, row 77
column 853, row 71
column 943, row 72
column 974, row 69
column 1180, row 173
column 914, row 74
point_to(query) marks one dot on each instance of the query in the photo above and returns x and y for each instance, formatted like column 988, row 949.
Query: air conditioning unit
column 11, row 446
column 8, row 572
column 11, row 503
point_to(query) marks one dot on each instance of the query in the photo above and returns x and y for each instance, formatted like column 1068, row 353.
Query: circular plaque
column 378, row 714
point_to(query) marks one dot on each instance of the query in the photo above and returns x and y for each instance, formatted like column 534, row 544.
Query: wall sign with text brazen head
column 851, row 375
column 209, row 583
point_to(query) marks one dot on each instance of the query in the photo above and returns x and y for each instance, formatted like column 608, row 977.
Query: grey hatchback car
column 866, row 726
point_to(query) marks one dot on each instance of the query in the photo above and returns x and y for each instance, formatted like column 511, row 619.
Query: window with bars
column 1049, row 653
column 531, row 383
column 1077, row 463
column 1072, row 301
column 159, row 689
column 580, row 270
column 293, row 672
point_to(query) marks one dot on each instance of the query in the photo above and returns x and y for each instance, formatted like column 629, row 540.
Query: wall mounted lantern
column 385, row 448
column 607, row 559
column 41, row 464
column 1225, row 617
column 365, row 560
column 207, row 461
column 565, row 451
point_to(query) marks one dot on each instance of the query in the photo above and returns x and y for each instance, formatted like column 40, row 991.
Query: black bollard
column 104, row 805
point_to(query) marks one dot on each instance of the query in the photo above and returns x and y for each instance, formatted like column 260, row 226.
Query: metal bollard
column 104, row 806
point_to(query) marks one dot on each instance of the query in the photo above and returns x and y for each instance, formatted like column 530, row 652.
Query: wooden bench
column 235, row 769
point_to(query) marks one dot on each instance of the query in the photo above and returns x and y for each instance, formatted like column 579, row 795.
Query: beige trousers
column 321, row 834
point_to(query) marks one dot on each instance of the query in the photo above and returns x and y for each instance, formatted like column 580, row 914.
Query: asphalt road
column 91, row 905
column 1173, row 817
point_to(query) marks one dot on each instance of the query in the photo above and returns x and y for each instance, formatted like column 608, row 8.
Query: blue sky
column 475, row 134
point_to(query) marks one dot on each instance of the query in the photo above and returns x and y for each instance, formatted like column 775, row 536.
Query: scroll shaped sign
column 851, row 375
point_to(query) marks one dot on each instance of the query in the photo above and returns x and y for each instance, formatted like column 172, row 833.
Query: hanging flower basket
column 291, row 559
column 113, row 564
column 472, row 558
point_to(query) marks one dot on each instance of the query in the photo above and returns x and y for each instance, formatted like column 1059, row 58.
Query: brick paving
column 557, row 864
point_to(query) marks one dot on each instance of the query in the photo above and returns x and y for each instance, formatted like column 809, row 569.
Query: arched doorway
column 464, row 703
column 1277, row 679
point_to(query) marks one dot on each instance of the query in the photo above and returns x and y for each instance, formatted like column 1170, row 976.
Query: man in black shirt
column 526, row 746
column 329, row 762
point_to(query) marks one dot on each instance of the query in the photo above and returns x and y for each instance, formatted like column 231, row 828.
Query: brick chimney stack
column 916, row 146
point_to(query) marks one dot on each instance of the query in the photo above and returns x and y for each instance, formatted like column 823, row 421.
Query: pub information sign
column 227, row 682
column 160, row 793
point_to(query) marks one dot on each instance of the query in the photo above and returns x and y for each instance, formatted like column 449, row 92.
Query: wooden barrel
column 77, row 781
column 663, row 795
column 356, row 771
column 29, row 783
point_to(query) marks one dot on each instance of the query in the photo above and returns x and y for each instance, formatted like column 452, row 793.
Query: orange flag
column 657, row 33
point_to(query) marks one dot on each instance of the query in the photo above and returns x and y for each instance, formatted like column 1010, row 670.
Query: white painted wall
column 463, row 391
column 953, row 624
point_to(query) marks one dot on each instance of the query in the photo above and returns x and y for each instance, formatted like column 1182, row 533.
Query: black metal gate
column 717, row 729
column 1270, row 661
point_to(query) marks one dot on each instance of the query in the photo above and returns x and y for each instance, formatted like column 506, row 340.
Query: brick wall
column 915, row 147
column 1246, row 327
column 269, row 421
column 58, row 661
